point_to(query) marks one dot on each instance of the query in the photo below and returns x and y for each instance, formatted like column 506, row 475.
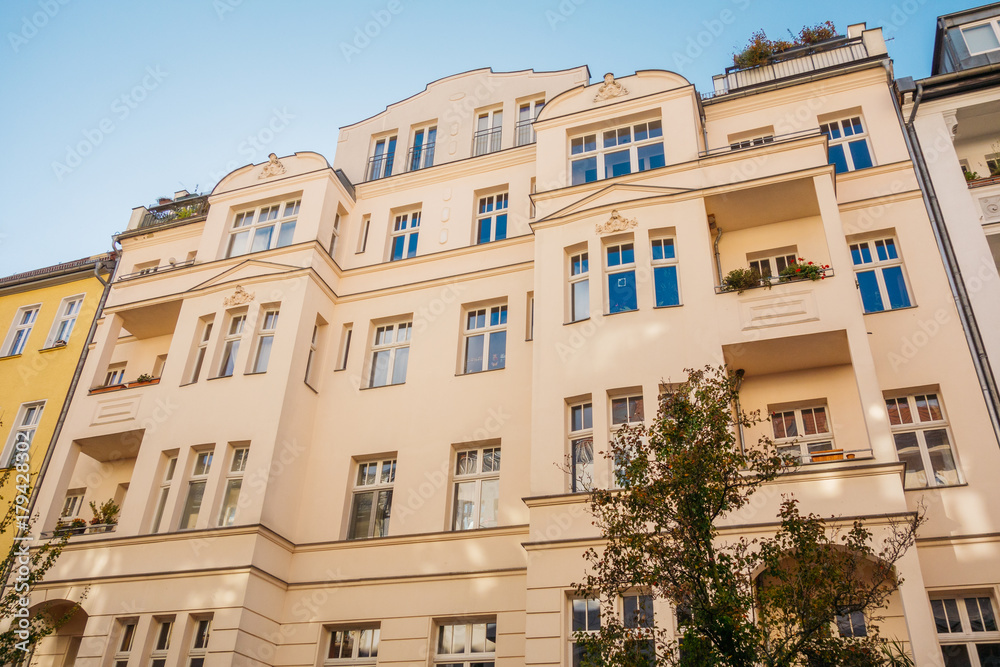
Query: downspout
column 718, row 237
column 980, row 360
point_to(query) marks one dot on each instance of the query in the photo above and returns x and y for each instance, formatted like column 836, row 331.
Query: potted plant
column 742, row 279
column 106, row 515
column 145, row 378
column 803, row 270
column 74, row 527
column 971, row 176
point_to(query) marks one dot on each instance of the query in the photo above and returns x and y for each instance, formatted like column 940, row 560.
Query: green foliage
column 107, row 513
column 740, row 602
column 742, row 279
column 971, row 176
column 759, row 50
column 145, row 377
column 803, row 270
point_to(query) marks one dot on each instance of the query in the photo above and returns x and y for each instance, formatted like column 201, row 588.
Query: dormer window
column 263, row 228
column 982, row 37
column 616, row 152
column 380, row 163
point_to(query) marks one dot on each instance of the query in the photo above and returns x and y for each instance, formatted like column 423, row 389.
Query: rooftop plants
column 760, row 49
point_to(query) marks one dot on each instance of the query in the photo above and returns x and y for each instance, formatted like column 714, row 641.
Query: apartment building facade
column 381, row 388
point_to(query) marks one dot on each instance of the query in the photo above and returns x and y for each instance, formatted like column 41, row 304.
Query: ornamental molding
column 951, row 122
column 272, row 168
column 239, row 297
column 991, row 208
column 616, row 223
column 610, row 89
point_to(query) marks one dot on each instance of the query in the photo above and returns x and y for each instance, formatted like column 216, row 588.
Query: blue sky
column 111, row 103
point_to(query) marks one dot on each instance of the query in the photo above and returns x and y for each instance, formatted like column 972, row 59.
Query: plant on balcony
column 185, row 212
column 145, row 377
column 815, row 34
column 759, row 50
column 971, row 176
column 803, row 270
column 74, row 527
column 742, row 279
column 106, row 514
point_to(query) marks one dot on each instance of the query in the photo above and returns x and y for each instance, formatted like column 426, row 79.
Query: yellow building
column 45, row 318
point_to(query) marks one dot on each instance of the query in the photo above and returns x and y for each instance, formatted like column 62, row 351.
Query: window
column 205, row 326
column 62, row 327
column 920, row 432
column 586, row 617
column 477, row 488
column 158, row 657
column 529, row 319
column 196, row 490
column 380, row 163
column 527, row 112
column 879, row 275
column 751, row 141
column 621, row 277
column 769, row 265
column 72, row 505
column 254, row 230
column 491, row 221
column 581, row 444
column 422, row 153
column 390, row 354
column 487, row 136
column 803, row 433
column 126, row 636
column 847, row 142
column 579, row 287
column 637, row 617
column 967, row 630
column 992, row 163
column 115, row 375
column 372, row 502
column 161, row 502
column 335, row 234
column 466, row 645
column 624, row 150
column 353, row 646
column 265, row 338
column 363, row 237
column 981, row 37
column 24, row 320
column 234, row 482
column 199, row 642
column 625, row 410
column 403, row 240
column 665, row 287
column 851, row 624
column 311, row 359
column 345, row 346
column 485, row 339
column 23, row 432
column 231, row 347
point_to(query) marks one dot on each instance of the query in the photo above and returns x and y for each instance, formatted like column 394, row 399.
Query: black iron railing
column 379, row 166
column 486, row 141
column 420, row 157
column 524, row 133
column 195, row 207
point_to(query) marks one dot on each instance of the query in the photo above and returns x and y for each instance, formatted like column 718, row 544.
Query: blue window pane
column 614, row 256
column 617, row 164
column 412, row 250
column 398, row 244
column 668, row 249
column 665, row 281
column 855, row 255
column 890, row 247
column 474, row 353
column 870, row 296
column 501, row 227
column 895, row 287
column 657, row 249
column 498, row 349
column 834, row 130
column 285, row 234
column 585, row 170
column 838, row 159
column 860, row 155
column 621, row 292
column 480, row 319
column 880, row 250
column 484, row 231
column 651, row 157
column 628, row 253
column 641, row 133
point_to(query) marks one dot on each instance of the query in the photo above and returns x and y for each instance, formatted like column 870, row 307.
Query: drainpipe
column 718, row 237
column 973, row 337
column 740, row 373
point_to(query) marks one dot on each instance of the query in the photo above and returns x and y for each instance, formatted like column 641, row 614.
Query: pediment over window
column 584, row 98
column 250, row 175
column 244, row 271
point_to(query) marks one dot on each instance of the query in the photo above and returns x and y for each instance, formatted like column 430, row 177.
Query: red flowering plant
column 803, row 270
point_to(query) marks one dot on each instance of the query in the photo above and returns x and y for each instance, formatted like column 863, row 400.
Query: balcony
column 157, row 269
column 420, row 157
column 486, row 141
column 379, row 166
column 140, row 339
column 524, row 133
column 188, row 208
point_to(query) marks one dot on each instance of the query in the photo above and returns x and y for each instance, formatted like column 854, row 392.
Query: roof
column 75, row 266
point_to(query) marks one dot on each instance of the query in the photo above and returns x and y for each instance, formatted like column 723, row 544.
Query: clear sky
column 108, row 104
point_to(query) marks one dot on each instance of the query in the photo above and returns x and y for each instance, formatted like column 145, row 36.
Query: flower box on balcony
column 105, row 389
column 143, row 383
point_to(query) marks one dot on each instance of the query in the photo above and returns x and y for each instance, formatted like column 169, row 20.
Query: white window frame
column 639, row 622
column 276, row 220
column 124, row 640
column 476, row 469
column 612, row 141
column 169, row 469
column 377, row 479
column 201, row 349
column 621, row 270
column 587, row 607
column 345, row 346
column 908, row 420
column 664, row 241
column 390, row 339
column 527, row 112
column 201, row 466
column 366, row 223
column 161, row 642
column 484, row 323
column 334, row 235
column 231, row 343
column 992, row 22
column 488, row 135
column 581, row 470
column 20, row 330
column 201, row 634
column 965, row 636
column 770, row 263
column 29, row 415
column 889, row 243
column 405, row 226
column 489, row 210
column 313, row 353
column 851, row 624
column 837, row 124
column 445, row 638
column 421, row 155
column 802, row 445
column 383, row 156
column 749, row 142
column 72, row 504
column 578, row 270
column 115, row 375
column 65, row 322
column 265, row 338
column 363, row 645
column 635, row 412
column 233, row 485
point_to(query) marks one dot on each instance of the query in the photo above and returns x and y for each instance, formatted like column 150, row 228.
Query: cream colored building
column 517, row 263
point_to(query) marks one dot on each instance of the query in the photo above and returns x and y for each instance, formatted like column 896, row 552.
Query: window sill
column 52, row 347
column 218, row 377
column 889, row 310
column 255, row 373
column 107, row 389
column 10, row 356
column 935, row 488
column 487, row 370
column 622, row 312
column 566, row 324
column 676, row 305
column 382, row 386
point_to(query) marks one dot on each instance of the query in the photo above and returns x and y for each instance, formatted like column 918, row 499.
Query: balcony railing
column 486, row 141
column 178, row 210
column 420, row 157
column 379, row 166
column 767, row 141
column 524, row 133
column 792, row 63
column 91, row 529
column 769, row 282
column 157, row 269
column 822, row 453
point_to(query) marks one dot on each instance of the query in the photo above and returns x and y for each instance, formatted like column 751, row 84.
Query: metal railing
column 178, row 210
column 524, row 133
column 771, row 281
column 770, row 141
column 791, row 63
column 157, row 269
column 90, row 529
column 486, row 141
column 379, row 166
column 420, row 157
column 830, row 455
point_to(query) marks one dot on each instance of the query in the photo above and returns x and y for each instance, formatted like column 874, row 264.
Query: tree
column 739, row 602
column 23, row 567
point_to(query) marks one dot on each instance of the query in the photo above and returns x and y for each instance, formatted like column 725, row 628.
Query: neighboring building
column 46, row 316
column 518, row 263
column 953, row 121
